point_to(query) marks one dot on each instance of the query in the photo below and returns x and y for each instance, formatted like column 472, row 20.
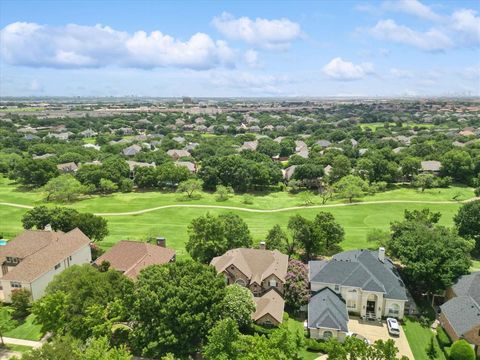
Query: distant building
column 132, row 150
column 431, row 166
column 176, row 154
column 69, row 167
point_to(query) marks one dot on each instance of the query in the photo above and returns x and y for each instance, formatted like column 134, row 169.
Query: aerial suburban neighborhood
column 240, row 180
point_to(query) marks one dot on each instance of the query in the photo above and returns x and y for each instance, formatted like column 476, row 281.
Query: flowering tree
column 296, row 285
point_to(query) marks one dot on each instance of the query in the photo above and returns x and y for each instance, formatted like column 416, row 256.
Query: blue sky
column 239, row 48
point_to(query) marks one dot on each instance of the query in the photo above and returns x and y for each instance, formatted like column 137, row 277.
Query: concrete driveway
column 375, row 331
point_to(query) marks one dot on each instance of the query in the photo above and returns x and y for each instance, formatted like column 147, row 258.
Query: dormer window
column 272, row 283
column 9, row 259
column 15, row 260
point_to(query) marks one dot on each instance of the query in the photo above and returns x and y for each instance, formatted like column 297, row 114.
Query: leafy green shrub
column 477, row 191
column 21, row 302
column 315, row 345
column 461, row 350
column 248, row 199
column 442, row 337
column 262, row 330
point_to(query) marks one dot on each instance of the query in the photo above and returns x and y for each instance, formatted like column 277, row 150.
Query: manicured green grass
column 476, row 265
column 27, row 331
column 418, row 338
column 172, row 223
column 305, row 354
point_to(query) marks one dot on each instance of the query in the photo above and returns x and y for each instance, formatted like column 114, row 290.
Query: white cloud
column 76, row 46
column 431, row 40
column 264, row 33
column 401, row 73
column 467, row 23
column 251, row 58
column 340, row 69
column 412, row 7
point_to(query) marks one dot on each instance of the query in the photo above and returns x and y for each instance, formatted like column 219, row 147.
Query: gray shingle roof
column 463, row 314
column 327, row 310
column 360, row 268
column 468, row 285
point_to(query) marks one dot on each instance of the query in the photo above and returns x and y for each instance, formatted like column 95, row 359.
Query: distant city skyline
column 390, row 48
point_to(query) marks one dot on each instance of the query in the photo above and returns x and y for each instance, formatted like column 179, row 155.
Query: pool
column 3, row 242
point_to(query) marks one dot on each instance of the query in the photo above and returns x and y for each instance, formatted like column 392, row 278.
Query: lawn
column 305, row 354
column 418, row 338
column 172, row 223
column 476, row 265
column 27, row 331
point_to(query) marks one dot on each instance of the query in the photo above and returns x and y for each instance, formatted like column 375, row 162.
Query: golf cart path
column 235, row 208
column 14, row 341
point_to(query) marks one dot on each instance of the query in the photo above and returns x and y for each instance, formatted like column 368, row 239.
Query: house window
column 9, row 259
column 15, row 260
column 70, row 258
column 327, row 335
column 273, row 283
column 240, row 282
column 337, row 288
column 57, row 266
column 15, row 285
column 394, row 310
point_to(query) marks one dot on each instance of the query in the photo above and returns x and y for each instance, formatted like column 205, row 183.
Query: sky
column 250, row 48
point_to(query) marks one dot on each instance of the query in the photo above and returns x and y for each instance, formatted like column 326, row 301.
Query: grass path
column 237, row 208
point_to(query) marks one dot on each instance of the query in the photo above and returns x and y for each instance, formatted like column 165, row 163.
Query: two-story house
column 460, row 315
column 33, row 258
column 366, row 283
column 263, row 272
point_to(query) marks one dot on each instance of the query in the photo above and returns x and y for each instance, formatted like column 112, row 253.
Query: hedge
column 443, row 338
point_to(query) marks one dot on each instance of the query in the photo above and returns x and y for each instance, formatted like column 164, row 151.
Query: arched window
column 240, row 282
column 273, row 283
column 327, row 335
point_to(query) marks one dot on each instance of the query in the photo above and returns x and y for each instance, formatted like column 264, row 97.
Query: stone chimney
column 381, row 254
column 262, row 245
column 161, row 241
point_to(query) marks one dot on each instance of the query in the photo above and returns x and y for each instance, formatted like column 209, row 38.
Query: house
column 92, row 146
column 288, row 172
column 33, row 258
column 460, row 315
column 323, row 143
column 88, row 133
column 134, row 164
column 188, row 164
column 269, row 309
column 366, row 280
column 130, row 257
column 132, row 150
column 257, row 269
column 41, row 157
column 249, row 145
column 69, row 167
column 327, row 315
column 431, row 167
column 176, row 154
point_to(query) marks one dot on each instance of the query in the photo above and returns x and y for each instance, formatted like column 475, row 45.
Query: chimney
column 161, row 241
column 381, row 254
column 262, row 245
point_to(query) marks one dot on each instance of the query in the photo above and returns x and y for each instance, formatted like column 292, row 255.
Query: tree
column 39, row 217
column 211, row 236
column 146, row 177
column 462, row 350
column 238, row 305
column 354, row 348
column 21, row 302
column 433, row 256
column 423, row 181
column 35, row 172
column 79, row 302
column 68, row 348
column 378, row 237
column 351, row 187
column 95, row 227
column 175, row 307
column 467, row 221
column 190, row 186
column 329, row 231
column 221, row 341
column 326, row 193
column 287, row 147
column 63, row 188
column 223, row 192
column 303, row 234
column 410, row 167
column 296, row 285
column 341, row 167
column 107, row 186
column 268, row 147
column 306, row 197
column 276, row 239
column 457, row 164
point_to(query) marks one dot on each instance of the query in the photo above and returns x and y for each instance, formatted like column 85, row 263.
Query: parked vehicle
column 360, row 337
column 393, row 327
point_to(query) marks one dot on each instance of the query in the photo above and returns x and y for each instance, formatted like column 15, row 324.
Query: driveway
column 375, row 331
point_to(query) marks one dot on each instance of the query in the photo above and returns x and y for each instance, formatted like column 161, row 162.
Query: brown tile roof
column 40, row 251
column 256, row 264
column 270, row 303
column 130, row 257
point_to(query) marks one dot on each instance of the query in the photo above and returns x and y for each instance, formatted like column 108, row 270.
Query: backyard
column 419, row 337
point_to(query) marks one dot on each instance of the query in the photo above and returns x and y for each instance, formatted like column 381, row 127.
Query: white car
column 360, row 337
column 393, row 327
